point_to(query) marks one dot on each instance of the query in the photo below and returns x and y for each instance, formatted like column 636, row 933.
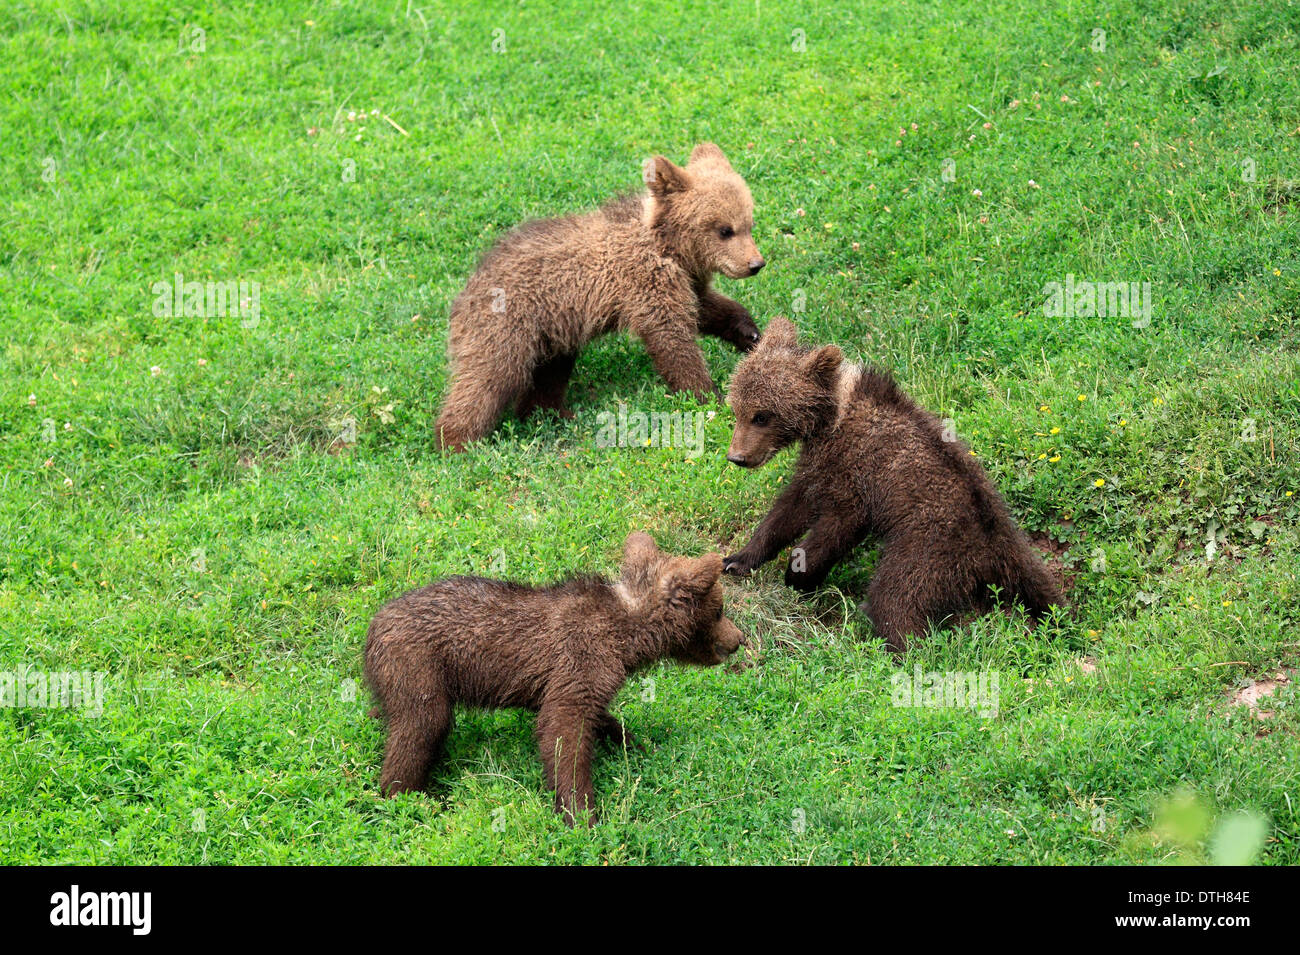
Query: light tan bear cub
column 642, row 264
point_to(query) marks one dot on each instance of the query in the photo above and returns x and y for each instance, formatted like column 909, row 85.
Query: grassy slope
column 221, row 566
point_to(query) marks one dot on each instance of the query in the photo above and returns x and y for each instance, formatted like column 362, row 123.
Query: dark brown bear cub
column 641, row 264
column 563, row 651
column 874, row 465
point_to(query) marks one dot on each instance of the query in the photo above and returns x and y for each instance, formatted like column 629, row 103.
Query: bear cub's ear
column 821, row 364
column 663, row 177
column 780, row 333
column 686, row 578
column 639, row 552
column 708, row 153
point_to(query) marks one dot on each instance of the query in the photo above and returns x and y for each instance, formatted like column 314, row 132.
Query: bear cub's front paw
column 738, row 565
column 800, row 580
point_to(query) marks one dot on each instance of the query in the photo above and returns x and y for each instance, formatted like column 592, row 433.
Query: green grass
column 199, row 535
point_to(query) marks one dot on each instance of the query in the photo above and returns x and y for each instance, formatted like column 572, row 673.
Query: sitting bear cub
column 563, row 651
column 874, row 465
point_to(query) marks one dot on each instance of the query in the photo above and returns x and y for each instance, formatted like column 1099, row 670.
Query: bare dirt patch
column 1054, row 552
column 1258, row 692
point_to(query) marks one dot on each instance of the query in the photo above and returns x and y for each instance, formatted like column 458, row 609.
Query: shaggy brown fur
column 563, row 651
column 641, row 264
column 873, row 464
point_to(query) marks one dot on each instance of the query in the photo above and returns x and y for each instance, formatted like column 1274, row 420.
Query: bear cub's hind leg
column 480, row 393
column 417, row 730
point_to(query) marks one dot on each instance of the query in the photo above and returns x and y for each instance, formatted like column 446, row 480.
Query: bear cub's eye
column 726, row 231
column 762, row 418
